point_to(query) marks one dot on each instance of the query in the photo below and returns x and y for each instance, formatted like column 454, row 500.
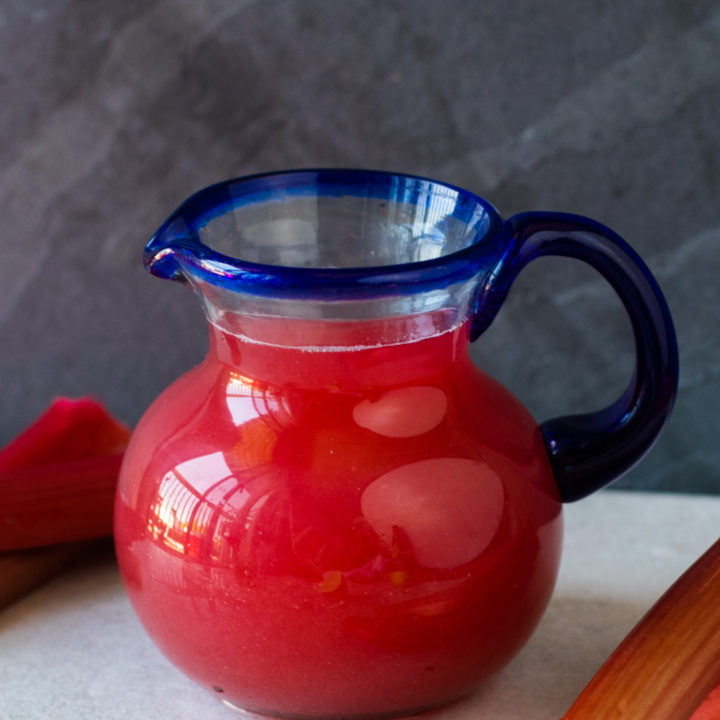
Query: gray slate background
column 113, row 112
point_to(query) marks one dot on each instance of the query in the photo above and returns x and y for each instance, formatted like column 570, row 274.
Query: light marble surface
column 74, row 650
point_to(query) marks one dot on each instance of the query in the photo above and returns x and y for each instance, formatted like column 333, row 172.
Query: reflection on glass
column 192, row 502
column 445, row 523
column 206, row 507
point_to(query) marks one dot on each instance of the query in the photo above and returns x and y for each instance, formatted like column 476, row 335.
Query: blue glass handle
column 591, row 450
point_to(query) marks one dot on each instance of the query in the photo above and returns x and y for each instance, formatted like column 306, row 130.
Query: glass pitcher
column 337, row 514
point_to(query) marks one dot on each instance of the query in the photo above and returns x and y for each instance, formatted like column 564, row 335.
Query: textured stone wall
column 112, row 112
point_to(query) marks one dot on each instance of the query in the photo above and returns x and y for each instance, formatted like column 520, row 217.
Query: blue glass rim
column 176, row 246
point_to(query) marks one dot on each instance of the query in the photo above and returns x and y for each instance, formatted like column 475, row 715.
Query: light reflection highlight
column 207, row 507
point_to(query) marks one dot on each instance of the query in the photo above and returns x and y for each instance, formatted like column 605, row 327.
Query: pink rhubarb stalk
column 57, row 479
column 668, row 667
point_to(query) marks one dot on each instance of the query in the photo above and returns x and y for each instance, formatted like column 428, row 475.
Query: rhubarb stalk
column 58, row 478
column 69, row 429
column 23, row 571
column 670, row 662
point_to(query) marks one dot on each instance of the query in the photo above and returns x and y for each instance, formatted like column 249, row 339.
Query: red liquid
column 320, row 533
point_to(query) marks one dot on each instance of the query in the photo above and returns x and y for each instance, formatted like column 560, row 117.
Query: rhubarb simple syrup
column 338, row 531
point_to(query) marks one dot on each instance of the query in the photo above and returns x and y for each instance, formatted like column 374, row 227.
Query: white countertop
column 74, row 650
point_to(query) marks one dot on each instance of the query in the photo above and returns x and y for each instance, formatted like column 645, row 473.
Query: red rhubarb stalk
column 57, row 479
column 669, row 664
column 70, row 429
column 24, row 570
column 58, row 503
column 710, row 709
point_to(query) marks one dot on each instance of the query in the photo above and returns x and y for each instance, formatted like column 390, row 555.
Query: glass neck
column 326, row 325
column 350, row 361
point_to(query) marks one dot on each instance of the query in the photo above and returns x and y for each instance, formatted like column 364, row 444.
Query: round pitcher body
column 337, row 515
column 324, row 532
